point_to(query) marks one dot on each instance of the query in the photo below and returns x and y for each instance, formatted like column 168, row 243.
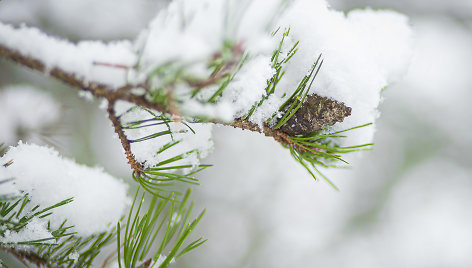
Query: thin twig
column 97, row 89
column 278, row 135
column 135, row 165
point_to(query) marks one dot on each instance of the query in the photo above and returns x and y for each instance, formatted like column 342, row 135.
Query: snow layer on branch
column 24, row 108
column 363, row 51
column 248, row 86
column 74, row 58
column 48, row 178
column 190, row 32
column 36, row 229
column 193, row 30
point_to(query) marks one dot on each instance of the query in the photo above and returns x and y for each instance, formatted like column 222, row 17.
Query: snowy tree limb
column 124, row 94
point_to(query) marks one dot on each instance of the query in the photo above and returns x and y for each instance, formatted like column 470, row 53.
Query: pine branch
column 278, row 135
column 53, row 251
column 97, row 89
column 124, row 94
column 302, row 115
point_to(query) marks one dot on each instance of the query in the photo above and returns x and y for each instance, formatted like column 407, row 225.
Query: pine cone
column 315, row 114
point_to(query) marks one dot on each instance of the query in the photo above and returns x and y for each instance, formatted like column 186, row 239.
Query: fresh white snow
column 78, row 59
column 48, row 178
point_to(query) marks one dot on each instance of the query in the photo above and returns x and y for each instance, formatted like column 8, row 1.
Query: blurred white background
column 405, row 204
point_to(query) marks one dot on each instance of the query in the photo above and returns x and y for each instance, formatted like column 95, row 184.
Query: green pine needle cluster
column 279, row 60
column 166, row 223
column 164, row 228
column 300, row 94
column 321, row 150
column 15, row 216
column 53, row 251
column 168, row 172
column 85, row 248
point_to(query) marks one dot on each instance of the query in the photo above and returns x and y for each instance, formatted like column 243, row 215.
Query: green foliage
column 167, row 172
column 155, row 119
column 314, row 150
column 165, row 225
column 54, row 251
column 87, row 249
column 279, row 59
column 225, row 66
column 15, row 216
column 300, row 94
column 320, row 149
column 162, row 80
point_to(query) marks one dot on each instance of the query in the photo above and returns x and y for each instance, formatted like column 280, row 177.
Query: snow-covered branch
column 299, row 72
column 125, row 93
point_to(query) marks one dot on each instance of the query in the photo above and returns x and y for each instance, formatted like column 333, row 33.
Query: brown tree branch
column 25, row 256
column 97, row 89
column 125, row 143
column 112, row 95
column 278, row 135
